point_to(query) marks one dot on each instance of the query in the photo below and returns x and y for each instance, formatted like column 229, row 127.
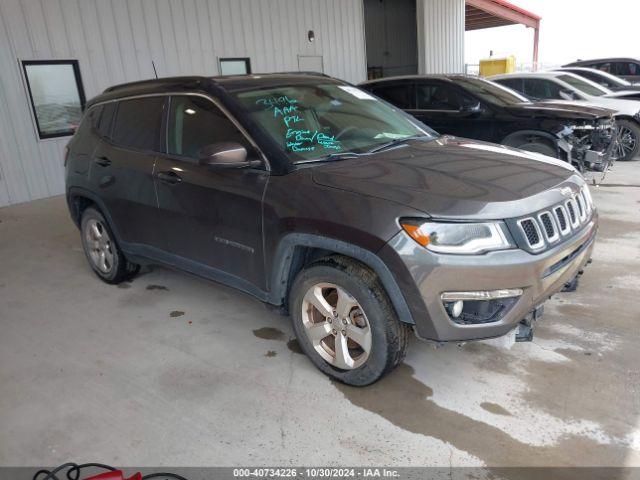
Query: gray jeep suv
column 329, row 205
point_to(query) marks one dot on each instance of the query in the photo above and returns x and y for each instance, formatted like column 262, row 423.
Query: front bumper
column 427, row 275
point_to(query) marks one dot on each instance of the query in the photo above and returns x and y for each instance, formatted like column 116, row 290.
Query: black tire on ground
column 537, row 145
column 390, row 336
column 631, row 134
column 117, row 269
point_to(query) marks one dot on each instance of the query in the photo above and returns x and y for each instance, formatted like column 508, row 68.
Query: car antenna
column 154, row 69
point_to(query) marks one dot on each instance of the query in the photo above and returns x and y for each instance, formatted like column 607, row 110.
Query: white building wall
column 115, row 41
column 440, row 36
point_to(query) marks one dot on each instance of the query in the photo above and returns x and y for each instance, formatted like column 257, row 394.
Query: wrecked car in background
column 474, row 108
column 567, row 87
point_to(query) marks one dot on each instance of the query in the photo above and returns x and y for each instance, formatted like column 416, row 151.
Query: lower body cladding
column 466, row 297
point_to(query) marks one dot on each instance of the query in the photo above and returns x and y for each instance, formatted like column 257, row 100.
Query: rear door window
column 137, row 124
column 626, row 68
column 399, row 94
column 541, row 89
column 512, row 83
column 433, row 96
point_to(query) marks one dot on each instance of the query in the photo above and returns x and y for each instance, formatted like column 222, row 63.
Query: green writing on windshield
column 298, row 137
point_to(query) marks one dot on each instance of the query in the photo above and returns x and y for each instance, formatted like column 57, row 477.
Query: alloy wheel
column 99, row 246
column 336, row 326
column 625, row 142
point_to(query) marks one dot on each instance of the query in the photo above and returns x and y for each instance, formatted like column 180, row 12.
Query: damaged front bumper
column 589, row 146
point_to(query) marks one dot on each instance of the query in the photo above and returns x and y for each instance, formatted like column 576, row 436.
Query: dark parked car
column 329, row 205
column 627, row 68
column 475, row 108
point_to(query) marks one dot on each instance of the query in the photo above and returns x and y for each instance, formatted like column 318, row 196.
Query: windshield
column 491, row 92
column 314, row 121
column 584, row 86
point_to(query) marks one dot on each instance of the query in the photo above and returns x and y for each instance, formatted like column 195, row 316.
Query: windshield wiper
column 333, row 156
column 396, row 141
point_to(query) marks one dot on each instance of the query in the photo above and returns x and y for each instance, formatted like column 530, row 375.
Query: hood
column 570, row 111
column 455, row 178
column 626, row 94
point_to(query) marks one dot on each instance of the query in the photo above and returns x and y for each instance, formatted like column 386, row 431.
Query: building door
column 391, row 37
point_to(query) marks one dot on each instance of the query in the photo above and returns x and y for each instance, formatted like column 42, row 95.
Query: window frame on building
column 246, row 60
column 43, row 135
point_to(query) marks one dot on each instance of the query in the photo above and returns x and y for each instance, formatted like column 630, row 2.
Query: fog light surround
column 478, row 307
column 481, row 294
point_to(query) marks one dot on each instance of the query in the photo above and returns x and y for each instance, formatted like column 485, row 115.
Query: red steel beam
column 506, row 11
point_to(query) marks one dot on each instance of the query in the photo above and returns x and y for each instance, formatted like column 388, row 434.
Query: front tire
column 345, row 323
column 538, row 145
column 628, row 140
column 102, row 251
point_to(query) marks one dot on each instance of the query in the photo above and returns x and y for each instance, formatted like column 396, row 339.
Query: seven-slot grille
column 549, row 226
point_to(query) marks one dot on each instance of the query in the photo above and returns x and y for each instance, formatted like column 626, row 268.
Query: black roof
column 577, row 63
column 451, row 77
column 208, row 84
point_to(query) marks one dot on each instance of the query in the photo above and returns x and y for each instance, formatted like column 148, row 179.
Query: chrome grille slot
column 585, row 198
column 532, row 233
column 549, row 226
column 561, row 217
column 573, row 215
column 581, row 207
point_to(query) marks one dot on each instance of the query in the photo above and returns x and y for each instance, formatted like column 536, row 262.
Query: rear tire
column 628, row 140
column 102, row 251
column 346, row 286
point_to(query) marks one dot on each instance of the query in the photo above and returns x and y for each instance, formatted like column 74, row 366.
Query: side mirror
column 472, row 108
column 224, row 155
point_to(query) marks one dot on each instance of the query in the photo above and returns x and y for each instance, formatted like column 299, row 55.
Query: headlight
column 461, row 238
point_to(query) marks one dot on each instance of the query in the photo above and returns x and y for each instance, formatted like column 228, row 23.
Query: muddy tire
column 345, row 322
column 102, row 251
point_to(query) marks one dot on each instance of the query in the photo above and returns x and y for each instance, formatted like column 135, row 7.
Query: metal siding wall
column 116, row 40
column 440, row 36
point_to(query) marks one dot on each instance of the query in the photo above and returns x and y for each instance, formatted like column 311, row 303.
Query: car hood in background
column 567, row 110
column 455, row 178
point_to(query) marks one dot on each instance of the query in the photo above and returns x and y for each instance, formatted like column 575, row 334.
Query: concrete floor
column 171, row 370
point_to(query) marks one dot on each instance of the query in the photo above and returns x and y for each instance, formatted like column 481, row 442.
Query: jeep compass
column 331, row 206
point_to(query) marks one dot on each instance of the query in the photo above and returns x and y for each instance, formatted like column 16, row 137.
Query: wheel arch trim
column 280, row 279
column 539, row 133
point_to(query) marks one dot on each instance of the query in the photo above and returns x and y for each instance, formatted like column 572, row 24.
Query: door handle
column 169, row 177
column 102, row 161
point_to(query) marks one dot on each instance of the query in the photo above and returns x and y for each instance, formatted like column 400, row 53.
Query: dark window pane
column 57, row 96
column 398, row 95
column 195, row 122
column 513, row 83
column 105, row 122
column 90, row 121
column 138, row 123
column 541, row 89
column 625, row 68
column 441, row 97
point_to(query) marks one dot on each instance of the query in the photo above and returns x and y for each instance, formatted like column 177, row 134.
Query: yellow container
column 496, row 66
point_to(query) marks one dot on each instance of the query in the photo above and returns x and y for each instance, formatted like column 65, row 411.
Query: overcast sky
column 570, row 29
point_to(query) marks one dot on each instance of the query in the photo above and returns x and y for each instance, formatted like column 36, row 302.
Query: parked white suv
column 569, row 88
